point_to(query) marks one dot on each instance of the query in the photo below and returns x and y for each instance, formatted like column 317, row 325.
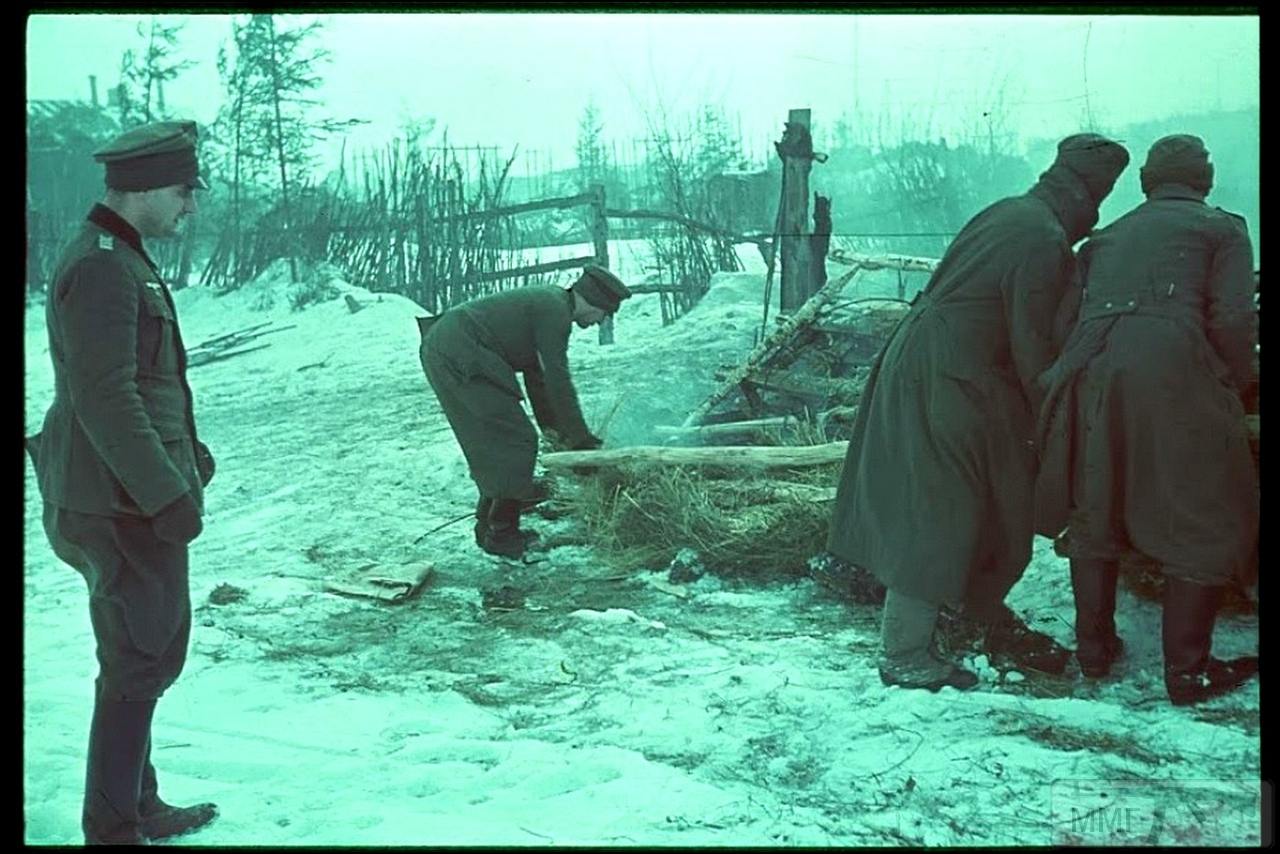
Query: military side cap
column 1098, row 161
column 160, row 154
column 1178, row 159
column 601, row 288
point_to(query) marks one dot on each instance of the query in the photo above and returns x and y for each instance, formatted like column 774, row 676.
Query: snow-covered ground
column 607, row 710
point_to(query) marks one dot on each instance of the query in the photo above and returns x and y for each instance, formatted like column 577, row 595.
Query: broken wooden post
column 819, row 243
column 796, row 151
column 600, row 237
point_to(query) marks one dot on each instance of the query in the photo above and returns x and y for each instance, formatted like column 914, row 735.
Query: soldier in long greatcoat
column 935, row 498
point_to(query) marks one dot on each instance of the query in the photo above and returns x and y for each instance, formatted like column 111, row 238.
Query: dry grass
column 757, row 524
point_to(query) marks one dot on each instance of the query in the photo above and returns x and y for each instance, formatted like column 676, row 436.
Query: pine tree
column 267, row 124
column 589, row 147
column 139, row 98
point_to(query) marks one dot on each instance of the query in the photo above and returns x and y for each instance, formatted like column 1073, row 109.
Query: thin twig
column 444, row 525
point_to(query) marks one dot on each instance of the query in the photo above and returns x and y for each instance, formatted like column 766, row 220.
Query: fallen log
column 728, row 428
column 727, row 456
column 734, row 428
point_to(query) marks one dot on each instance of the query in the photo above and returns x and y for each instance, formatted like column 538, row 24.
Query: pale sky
column 524, row 78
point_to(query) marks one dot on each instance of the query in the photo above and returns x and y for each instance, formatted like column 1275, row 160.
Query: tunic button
column 1108, row 305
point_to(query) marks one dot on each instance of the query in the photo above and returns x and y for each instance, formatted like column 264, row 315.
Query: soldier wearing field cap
column 121, row 470
column 1146, row 446
column 471, row 355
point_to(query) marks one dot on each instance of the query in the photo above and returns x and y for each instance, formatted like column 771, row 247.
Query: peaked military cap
column 156, row 155
column 601, row 288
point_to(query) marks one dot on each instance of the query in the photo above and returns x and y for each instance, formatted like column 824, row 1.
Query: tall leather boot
column 1093, row 583
column 504, row 537
column 1191, row 675
column 159, row 820
column 118, row 739
column 483, row 506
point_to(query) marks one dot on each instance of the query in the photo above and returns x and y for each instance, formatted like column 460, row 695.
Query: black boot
column 935, row 676
column 1007, row 635
column 118, row 740
column 483, row 506
column 1093, row 582
column 158, row 820
column 1191, row 675
column 504, row 537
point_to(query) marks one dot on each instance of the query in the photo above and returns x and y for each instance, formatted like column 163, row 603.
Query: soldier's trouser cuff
column 907, row 629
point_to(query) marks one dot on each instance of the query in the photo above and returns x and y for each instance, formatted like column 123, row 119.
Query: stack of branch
column 809, row 370
column 232, row 344
column 755, row 509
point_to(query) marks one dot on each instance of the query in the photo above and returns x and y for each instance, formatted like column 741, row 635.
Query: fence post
column 796, row 151
column 600, row 237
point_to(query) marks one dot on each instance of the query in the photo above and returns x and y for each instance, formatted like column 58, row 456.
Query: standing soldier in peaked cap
column 952, row 397
column 1143, row 427
column 121, row 470
column 471, row 355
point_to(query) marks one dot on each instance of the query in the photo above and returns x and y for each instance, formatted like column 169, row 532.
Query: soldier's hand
column 205, row 463
column 179, row 522
column 553, row 442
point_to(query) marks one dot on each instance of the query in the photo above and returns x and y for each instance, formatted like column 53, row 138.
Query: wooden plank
column 224, row 337
column 883, row 262
column 727, row 428
column 801, row 385
column 758, row 239
column 728, row 456
column 218, row 355
column 657, row 289
column 730, row 428
column 525, row 207
column 545, row 267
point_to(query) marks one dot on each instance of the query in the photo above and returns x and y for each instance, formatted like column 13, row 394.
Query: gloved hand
column 552, row 442
column 588, row 443
column 205, row 464
column 179, row 522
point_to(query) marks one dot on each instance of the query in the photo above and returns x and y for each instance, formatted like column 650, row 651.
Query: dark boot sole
column 176, row 821
column 962, row 680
